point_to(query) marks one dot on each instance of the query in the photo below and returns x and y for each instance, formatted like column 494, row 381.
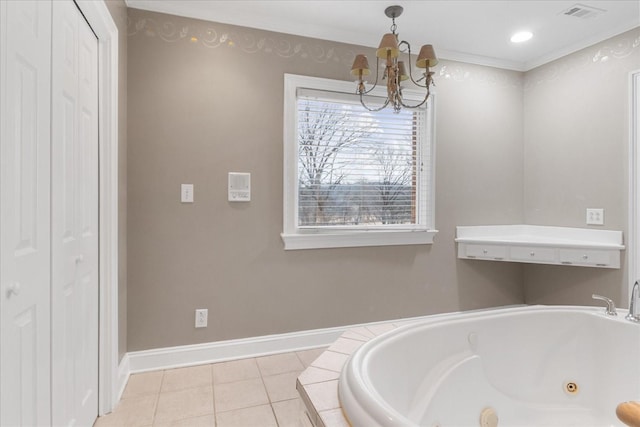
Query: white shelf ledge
column 541, row 245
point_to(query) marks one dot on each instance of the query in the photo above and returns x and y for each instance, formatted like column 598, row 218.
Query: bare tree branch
column 321, row 138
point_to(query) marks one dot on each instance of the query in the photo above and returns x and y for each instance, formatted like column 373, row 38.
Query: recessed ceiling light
column 521, row 36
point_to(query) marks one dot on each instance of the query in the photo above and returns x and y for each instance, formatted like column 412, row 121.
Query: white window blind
column 360, row 169
column 353, row 177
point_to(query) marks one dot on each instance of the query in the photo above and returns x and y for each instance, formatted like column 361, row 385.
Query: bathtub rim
column 358, row 396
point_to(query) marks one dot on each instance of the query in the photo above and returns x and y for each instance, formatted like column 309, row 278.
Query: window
column 353, row 177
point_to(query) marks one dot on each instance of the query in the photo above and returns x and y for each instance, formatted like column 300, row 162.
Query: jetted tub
column 525, row 366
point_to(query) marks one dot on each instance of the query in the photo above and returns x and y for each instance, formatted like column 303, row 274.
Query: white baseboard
column 220, row 351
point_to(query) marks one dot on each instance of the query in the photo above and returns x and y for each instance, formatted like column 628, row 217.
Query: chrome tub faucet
column 634, row 304
column 611, row 307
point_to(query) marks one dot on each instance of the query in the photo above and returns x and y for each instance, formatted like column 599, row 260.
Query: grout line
column 267, row 391
column 249, row 379
column 300, row 359
column 322, row 369
column 258, row 365
column 275, row 417
column 324, row 348
column 155, row 412
column 213, row 396
column 273, row 411
column 213, row 391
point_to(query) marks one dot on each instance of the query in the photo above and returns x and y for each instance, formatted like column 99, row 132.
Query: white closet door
column 74, row 218
column 25, row 64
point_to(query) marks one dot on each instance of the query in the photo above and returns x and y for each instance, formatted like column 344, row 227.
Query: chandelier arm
column 416, row 83
column 418, row 105
column 375, row 84
column 410, row 67
column 386, row 102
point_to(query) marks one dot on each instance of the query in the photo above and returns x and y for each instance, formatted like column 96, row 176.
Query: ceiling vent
column 583, row 12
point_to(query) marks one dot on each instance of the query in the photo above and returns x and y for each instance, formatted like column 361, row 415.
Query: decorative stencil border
column 206, row 35
column 605, row 54
column 213, row 35
column 497, row 77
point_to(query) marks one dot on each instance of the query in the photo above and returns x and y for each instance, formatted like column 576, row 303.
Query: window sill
column 356, row 239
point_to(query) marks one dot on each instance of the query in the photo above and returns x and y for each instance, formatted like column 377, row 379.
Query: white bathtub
column 520, row 362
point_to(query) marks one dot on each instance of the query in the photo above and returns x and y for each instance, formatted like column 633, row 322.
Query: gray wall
column 199, row 109
column 576, row 138
column 118, row 10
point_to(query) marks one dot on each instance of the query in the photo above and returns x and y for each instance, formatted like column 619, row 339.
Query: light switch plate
column 186, row 193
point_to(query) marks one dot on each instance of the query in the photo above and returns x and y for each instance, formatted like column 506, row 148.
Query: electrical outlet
column 201, row 317
column 595, row 216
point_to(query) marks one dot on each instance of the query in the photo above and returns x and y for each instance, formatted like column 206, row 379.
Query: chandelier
column 395, row 71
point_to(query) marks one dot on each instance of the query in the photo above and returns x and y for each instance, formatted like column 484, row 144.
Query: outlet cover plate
column 595, row 216
column 201, row 317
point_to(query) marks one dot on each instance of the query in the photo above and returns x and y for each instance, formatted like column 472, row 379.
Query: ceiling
column 475, row 31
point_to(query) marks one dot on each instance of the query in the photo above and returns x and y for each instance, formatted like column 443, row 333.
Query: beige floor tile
column 279, row 364
column 305, row 421
column 317, row 375
column 345, row 345
column 288, row 412
column 281, row 386
column 132, row 412
column 181, row 404
column 362, row 331
column 330, row 360
column 235, row 370
column 183, row 378
column 355, row 336
column 203, row 421
column 307, row 405
column 143, row 384
column 308, row 356
column 240, row 394
column 324, row 395
column 334, row 418
column 257, row 416
column 381, row 328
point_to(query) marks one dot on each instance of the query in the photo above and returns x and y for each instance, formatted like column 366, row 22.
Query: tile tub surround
column 258, row 391
column 318, row 384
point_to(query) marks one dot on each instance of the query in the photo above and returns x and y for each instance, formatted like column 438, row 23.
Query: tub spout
column 611, row 307
column 634, row 304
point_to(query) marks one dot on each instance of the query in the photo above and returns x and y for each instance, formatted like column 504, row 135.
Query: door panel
column 74, row 218
column 25, row 143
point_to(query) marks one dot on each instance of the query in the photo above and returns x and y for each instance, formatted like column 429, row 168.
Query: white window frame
column 295, row 237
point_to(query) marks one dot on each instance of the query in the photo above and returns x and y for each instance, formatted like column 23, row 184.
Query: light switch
column 186, row 193
column 239, row 187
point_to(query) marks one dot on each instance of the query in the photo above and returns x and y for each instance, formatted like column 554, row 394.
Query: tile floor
column 240, row 393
